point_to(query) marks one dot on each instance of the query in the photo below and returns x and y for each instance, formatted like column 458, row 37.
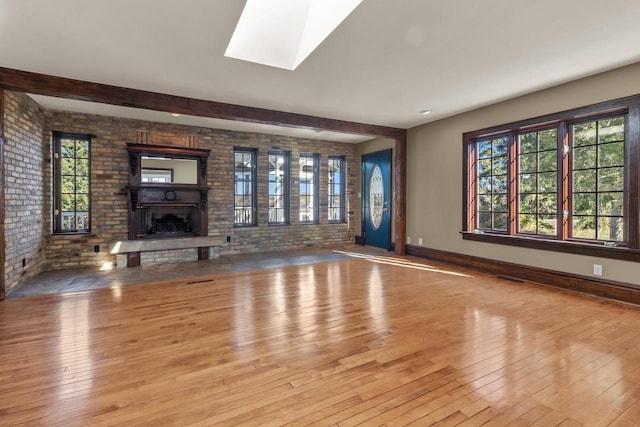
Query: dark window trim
column 316, row 187
column 556, row 245
column 343, row 216
column 57, row 136
column 254, row 186
column 629, row 252
column 287, row 189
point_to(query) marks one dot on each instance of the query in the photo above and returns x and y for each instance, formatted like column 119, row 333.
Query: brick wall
column 24, row 189
column 109, row 180
column 108, row 191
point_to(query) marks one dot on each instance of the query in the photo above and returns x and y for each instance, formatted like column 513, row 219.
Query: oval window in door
column 376, row 197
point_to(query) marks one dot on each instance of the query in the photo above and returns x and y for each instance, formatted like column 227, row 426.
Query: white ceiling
column 386, row 62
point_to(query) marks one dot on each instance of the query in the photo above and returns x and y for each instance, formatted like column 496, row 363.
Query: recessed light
column 425, row 112
column 176, row 114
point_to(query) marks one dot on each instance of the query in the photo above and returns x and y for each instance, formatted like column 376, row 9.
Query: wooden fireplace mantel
column 144, row 195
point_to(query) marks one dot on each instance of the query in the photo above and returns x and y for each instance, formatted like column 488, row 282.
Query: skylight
column 282, row 33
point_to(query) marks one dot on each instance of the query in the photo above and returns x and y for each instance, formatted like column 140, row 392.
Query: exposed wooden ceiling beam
column 42, row 84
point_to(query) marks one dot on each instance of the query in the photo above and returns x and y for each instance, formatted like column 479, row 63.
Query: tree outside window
column 597, row 210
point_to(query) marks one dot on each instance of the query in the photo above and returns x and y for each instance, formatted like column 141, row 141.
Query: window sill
column 71, row 233
column 597, row 250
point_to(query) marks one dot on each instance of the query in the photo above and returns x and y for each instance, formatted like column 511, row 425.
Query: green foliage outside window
column 597, row 175
column 492, row 183
column 598, row 179
column 537, row 182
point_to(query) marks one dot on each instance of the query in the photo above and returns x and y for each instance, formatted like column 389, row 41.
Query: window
column 309, row 188
column 72, row 183
column 598, row 179
column 278, row 188
column 566, row 182
column 538, row 182
column 492, row 184
column 336, row 191
column 245, row 187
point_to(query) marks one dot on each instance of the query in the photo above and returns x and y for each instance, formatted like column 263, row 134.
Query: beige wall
column 372, row 146
column 434, row 174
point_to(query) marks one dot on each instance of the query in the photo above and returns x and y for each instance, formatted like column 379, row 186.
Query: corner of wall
column 23, row 190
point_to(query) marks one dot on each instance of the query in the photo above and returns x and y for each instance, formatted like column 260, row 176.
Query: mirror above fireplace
column 168, row 170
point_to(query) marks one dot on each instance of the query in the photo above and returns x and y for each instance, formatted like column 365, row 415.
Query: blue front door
column 376, row 198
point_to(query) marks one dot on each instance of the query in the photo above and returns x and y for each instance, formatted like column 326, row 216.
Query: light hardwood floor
column 372, row 341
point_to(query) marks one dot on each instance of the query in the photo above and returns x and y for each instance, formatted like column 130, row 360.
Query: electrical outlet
column 597, row 270
column 408, row 240
column 420, row 241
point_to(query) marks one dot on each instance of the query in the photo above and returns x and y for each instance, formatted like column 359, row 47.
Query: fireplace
column 162, row 221
column 167, row 193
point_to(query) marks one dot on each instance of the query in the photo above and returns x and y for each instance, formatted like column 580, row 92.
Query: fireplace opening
column 166, row 221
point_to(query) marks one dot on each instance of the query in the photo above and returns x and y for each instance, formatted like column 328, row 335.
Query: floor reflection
column 74, row 349
column 243, row 315
column 384, row 341
column 402, row 263
column 530, row 359
column 376, row 298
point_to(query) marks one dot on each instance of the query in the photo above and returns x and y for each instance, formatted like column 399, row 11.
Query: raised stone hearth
column 170, row 250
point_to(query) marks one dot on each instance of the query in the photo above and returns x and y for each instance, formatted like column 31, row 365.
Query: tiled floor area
column 74, row 280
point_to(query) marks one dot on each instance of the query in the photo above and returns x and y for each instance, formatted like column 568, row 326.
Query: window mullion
column 564, row 180
column 632, row 177
column 472, row 201
column 512, row 188
column 75, row 185
column 58, row 185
